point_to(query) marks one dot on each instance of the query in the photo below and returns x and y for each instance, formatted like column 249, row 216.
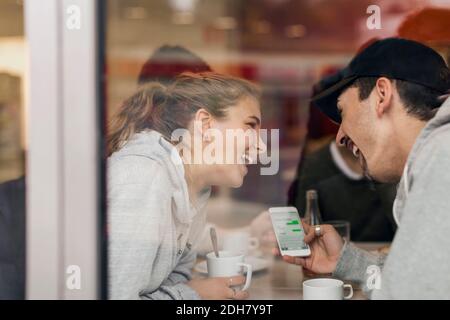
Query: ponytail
column 135, row 114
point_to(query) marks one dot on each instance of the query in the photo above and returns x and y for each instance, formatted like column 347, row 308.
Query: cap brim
column 326, row 100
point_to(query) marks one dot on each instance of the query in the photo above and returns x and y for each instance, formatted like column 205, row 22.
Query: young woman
column 156, row 195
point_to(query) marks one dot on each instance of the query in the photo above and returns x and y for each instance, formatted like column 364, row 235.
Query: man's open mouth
column 352, row 147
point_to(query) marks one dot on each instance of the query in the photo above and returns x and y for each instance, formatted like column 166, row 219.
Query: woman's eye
column 252, row 125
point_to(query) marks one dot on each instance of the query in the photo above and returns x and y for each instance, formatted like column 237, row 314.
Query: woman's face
column 240, row 132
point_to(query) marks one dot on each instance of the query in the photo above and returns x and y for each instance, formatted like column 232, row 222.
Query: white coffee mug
column 326, row 289
column 240, row 242
column 228, row 265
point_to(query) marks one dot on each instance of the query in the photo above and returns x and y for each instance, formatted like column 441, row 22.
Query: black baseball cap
column 394, row 58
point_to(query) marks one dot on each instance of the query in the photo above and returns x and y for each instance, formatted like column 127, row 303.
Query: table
column 283, row 281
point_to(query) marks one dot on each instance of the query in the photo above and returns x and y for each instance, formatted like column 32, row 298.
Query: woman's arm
column 183, row 270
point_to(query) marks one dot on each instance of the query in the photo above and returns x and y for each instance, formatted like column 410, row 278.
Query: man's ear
column 203, row 121
column 384, row 91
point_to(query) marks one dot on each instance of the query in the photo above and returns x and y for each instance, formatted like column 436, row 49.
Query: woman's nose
column 261, row 147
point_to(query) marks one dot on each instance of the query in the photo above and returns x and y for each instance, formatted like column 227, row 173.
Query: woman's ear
column 203, row 121
column 384, row 95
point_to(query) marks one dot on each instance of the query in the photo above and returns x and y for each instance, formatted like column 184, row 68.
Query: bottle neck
column 312, row 214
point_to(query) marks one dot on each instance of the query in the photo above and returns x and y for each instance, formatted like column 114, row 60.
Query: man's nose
column 341, row 137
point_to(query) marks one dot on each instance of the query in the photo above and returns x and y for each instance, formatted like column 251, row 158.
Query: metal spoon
column 213, row 234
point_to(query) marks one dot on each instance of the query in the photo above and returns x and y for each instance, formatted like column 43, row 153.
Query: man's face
column 368, row 135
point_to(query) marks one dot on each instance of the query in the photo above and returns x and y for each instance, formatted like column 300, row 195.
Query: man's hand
column 325, row 250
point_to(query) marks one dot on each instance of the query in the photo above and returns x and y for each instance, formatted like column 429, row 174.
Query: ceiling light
column 183, row 5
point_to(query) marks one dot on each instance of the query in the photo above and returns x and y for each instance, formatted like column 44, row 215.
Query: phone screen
column 289, row 230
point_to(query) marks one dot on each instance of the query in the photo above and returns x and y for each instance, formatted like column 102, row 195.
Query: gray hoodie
column 152, row 225
column 418, row 264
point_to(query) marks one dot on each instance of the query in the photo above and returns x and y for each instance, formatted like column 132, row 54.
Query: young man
column 344, row 192
column 388, row 102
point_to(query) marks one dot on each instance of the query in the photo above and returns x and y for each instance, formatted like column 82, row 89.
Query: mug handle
column 253, row 243
column 350, row 295
column 249, row 275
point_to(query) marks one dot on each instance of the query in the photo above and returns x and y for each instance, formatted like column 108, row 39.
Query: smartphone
column 289, row 231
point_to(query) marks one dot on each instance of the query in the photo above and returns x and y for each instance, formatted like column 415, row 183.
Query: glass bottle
column 312, row 213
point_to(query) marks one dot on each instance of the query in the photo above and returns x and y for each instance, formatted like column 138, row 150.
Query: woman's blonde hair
column 167, row 108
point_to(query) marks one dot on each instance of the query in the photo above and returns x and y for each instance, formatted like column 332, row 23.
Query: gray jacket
column 151, row 222
column 418, row 264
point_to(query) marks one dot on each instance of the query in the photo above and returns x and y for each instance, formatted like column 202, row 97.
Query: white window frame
column 64, row 204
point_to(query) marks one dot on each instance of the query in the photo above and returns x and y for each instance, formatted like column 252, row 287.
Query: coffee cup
column 326, row 289
column 228, row 264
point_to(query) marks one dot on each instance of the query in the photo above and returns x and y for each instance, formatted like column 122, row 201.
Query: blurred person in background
column 167, row 62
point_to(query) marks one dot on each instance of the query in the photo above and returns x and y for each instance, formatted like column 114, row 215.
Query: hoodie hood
column 441, row 119
column 151, row 144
